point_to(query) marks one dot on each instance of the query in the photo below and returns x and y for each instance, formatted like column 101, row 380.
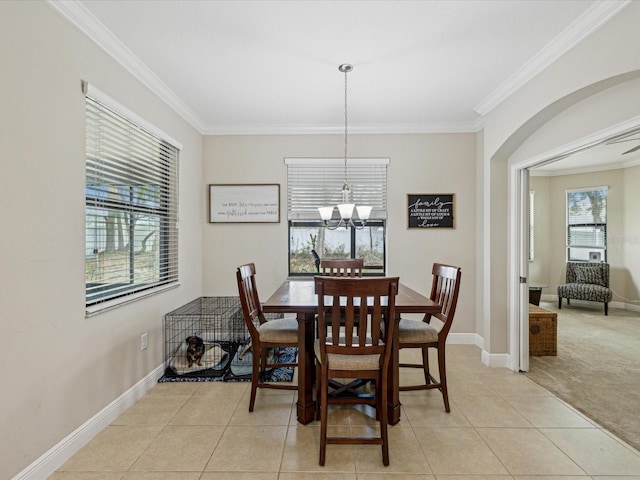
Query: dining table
column 298, row 297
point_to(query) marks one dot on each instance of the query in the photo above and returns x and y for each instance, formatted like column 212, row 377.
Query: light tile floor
column 501, row 426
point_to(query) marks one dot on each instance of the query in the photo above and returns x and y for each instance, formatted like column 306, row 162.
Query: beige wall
column 588, row 73
column 630, row 240
column 550, row 228
column 418, row 163
column 59, row 369
column 593, row 65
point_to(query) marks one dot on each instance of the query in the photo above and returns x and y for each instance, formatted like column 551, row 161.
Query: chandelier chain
column 345, row 124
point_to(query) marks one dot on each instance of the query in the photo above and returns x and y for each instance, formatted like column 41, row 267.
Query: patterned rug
column 239, row 369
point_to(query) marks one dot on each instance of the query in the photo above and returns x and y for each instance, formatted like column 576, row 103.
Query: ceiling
column 617, row 153
column 261, row 67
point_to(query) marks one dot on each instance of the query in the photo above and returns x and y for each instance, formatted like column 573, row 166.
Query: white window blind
column 586, row 222
column 317, row 182
column 131, row 207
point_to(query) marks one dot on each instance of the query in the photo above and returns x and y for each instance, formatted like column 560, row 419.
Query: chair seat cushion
column 348, row 362
column 279, row 330
column 416, row 331
column 585, row 291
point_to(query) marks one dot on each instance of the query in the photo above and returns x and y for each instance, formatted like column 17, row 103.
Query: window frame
column 586, row 224
column 132, row 173
column 317, row 182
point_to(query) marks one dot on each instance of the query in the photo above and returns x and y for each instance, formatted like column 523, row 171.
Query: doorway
column 595, row 151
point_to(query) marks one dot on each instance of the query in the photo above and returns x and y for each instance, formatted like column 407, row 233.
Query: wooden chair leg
column 318, row 391
column 323, row 420
column 560, row 303
column 425, row 365
column 384, row 435
column 606, row 308
column 255, row 377
column 442, row 368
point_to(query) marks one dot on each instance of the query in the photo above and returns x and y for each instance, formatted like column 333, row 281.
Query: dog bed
column 215, row 360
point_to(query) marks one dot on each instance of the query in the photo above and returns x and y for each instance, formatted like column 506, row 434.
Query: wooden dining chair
column 423, row 335
column 344, row 352
column 265, row 335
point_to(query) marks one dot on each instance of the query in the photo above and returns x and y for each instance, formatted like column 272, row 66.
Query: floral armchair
column 586, row 281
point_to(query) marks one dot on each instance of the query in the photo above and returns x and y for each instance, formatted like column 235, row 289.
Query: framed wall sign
column 431, row 210
column 252, row 203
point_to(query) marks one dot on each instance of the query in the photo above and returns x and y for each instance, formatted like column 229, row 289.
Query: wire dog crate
column 219, row 324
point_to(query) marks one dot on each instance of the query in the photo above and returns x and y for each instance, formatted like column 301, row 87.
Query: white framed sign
column 244, row 203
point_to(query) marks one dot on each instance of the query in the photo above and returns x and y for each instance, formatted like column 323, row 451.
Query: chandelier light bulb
column 363, row 212
column 346, row 211
column 325, row 213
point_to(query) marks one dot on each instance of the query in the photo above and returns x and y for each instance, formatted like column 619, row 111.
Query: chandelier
column 347, row 207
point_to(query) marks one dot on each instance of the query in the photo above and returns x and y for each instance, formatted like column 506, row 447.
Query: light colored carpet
column 597, row 369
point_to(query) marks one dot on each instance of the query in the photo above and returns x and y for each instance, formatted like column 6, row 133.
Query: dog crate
column 219, row 322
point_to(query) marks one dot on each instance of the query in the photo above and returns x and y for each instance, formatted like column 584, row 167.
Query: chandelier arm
column 336, row 226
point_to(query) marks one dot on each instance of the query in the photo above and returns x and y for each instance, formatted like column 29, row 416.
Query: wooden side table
column 534, row 294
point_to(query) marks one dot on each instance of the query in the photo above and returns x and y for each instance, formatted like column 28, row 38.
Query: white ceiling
column 253, row 67
column 608, row 155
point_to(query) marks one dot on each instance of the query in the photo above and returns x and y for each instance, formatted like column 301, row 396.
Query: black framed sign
column 431, row 210
column 253, row 203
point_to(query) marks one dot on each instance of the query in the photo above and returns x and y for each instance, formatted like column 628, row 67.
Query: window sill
column 103, row 307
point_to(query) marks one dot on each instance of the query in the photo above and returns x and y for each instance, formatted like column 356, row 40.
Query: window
column 315, row 182
column 131, row 207
column 587, row 224
column 531, row 218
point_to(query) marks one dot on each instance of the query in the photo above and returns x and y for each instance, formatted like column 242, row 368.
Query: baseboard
column 497, row 360
column 627, row 306
column 50, row 461
column 465, row 339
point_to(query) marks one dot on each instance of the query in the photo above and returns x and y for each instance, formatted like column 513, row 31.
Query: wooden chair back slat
column 249, row 298
column 348, row 267
column 444, row 290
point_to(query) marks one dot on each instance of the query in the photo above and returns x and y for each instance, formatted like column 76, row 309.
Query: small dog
column 195, row 350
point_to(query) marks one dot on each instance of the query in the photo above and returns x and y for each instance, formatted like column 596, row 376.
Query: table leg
column 306, row 406
column 393, row 393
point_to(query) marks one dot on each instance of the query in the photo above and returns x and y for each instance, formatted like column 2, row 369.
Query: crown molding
column 596, row 16
column 88, row 24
